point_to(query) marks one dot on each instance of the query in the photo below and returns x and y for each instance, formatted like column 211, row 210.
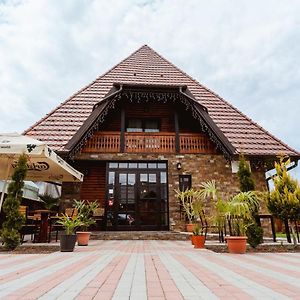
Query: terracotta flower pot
column 199, row 241
column 83, row 238
column 192, row 239
column 236, row 244
column 190, row 227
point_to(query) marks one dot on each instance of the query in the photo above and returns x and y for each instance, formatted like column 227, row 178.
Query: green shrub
column 284, row 200
column 245, row 177
column 11, row 238
column 13, row 219
column 254, row 234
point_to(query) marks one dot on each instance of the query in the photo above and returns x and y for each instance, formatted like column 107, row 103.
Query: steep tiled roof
column 145, row 66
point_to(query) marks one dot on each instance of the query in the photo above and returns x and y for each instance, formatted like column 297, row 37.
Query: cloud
column 248, row 52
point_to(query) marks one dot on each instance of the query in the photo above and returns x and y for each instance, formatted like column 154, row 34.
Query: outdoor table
column 44, row 225
column 270, row 217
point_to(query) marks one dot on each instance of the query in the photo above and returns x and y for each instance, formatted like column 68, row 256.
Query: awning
column 43, row 163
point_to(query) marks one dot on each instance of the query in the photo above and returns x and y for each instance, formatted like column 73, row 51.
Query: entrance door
column 137, row 196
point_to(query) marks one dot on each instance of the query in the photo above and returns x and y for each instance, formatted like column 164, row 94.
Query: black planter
column 67, row 242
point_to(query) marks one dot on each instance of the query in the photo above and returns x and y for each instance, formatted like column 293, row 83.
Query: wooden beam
column 177, row 140
column 122, row 134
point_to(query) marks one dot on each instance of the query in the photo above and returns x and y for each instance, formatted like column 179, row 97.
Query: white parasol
column 43, row 163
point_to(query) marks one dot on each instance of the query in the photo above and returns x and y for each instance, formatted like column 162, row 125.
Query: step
column 140, row 235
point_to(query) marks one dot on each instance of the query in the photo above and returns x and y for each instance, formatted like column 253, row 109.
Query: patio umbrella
column 43, row 163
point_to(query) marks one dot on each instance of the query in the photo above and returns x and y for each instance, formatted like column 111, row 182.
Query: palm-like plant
column 239, row 211
column 69, row 223
column 209, row 191
column 186, row 199
column 85, row 213
column 50, row 202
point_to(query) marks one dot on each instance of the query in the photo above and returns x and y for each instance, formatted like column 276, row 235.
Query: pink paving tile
column 164, row 284
column 103, row 296
column 173, row 295
column 43, row 285
column 270, row 265
column 276, row 285
column 27, row 270
column 8, row 263
column 107, row 282
column 280, row 258
column 204, row 275
column 154, row 288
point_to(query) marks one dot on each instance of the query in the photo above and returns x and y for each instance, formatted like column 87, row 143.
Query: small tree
column 284, row 201
column 14, row 220
column 245, row 177
column 254, row 231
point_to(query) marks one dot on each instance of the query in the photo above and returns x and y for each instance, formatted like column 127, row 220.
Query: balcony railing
column 160, row 142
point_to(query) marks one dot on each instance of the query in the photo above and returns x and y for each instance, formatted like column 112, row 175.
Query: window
column 185, row 182
column 142, row 125
column 134, row 125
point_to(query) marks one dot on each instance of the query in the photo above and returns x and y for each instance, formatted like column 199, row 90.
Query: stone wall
column 202, row 167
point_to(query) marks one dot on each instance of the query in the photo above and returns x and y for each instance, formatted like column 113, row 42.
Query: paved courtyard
column 149, row 270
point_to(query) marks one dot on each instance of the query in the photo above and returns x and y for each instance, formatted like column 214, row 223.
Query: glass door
column 137, row 196
column 148, row 205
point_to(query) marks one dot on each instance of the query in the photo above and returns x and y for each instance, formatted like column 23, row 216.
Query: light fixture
column 179, row 166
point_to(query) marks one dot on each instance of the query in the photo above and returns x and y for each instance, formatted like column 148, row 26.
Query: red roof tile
column 145, row 66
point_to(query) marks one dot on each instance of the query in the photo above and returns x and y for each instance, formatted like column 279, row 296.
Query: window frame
column 143, row 122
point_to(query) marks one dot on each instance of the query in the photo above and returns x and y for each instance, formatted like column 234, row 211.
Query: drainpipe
column 288, row 169
column 109, row 96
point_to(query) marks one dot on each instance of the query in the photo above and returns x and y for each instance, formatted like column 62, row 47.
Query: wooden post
column 177, row 140
column 122, row 133
column 273, row 229
column 287, row 230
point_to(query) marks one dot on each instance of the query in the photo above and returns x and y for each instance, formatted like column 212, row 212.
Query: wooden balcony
column 160, row 142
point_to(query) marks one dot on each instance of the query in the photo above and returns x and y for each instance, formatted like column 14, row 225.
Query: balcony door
column 137, row 196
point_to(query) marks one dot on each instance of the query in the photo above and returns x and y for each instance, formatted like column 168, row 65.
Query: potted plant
column 85, row 215
column 188, row 200
column 198, row 238
column 238, row 212
column 68, row 239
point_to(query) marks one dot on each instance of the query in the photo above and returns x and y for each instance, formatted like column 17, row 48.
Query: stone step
column 140, row 235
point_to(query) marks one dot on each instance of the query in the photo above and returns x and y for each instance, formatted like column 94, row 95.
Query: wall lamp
column 179, row 166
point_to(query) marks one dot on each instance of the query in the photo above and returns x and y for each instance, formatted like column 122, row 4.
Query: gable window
column 142, row 125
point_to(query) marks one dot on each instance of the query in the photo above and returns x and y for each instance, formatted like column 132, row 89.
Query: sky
column 248, row 52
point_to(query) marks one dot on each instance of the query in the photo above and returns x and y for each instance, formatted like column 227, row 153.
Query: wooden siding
column 93, row 185
column 160, row 111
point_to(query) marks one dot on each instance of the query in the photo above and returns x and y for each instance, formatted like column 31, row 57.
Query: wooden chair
column 71, row 212
column 98, row 216
column 30, row 227
column 54, row 226
column 204, row 223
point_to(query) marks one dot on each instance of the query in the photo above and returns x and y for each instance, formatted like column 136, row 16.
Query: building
column 145, row 128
